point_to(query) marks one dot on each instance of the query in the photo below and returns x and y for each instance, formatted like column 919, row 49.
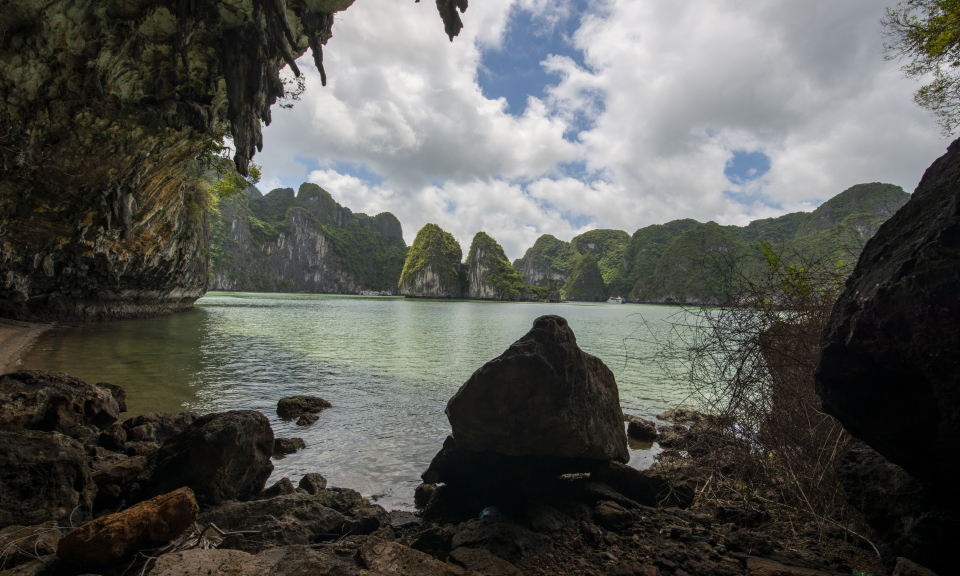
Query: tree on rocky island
column 432, row 268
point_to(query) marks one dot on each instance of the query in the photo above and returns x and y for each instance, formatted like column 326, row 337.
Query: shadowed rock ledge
column 110, row 112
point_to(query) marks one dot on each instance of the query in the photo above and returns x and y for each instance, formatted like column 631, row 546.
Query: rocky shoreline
column 15, row 339
column 83, row 493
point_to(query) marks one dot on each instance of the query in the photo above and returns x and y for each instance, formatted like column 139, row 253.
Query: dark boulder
column 542, row 397
column 117, row 483
column 280, row 488
column 889, row 349
column 222, row 456
column 283, row 446
column 43, row 476
column 157, row 426
column 294, row 406
column 612, row 516
column 312, row 483
column 907, row 516
column 307, row 419
column 640, row 428
column 48, row 401
column 113, row 438
column 505, row 539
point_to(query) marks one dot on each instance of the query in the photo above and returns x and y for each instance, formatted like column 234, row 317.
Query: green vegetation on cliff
column 436, row 247
column 497, row 271
column 663, row 262
column 698, row 267
column 369, row 249
column 585, row 282
column 493, row 276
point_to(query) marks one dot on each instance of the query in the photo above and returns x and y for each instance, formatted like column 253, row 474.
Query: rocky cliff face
column 547, row 258
column 889, row 350
column 491, row 276
column 585, row 283
column 303, row 243
column 432, row 268
column 110, row 110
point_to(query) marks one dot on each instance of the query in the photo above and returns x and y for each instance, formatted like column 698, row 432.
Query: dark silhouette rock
column 312, row 483
column 640, row 428
column 157, row 426
column 105, row 539
column 307, row 419
column 40, row 400
column 907, row 516
column 222, row 456
column 889, row 349
column 542, row 397
column 294, row 406
column 116, row 483
column 43, row 476
column 906, row 567
column 287, row 445
column 282, row 486
column 505, row 539
column 113, row 438
column 612, row 516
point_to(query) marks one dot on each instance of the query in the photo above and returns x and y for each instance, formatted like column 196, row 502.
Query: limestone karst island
column 344, row 288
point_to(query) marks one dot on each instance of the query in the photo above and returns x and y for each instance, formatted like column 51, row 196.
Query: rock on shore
column 542, row 397
column 222, row 456
column 889, row 350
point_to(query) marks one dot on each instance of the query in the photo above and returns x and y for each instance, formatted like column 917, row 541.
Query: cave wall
column 111, row 110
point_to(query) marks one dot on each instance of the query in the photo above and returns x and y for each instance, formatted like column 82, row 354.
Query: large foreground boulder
column 907, row 516
column 222, row 456
column 542, row 397
column 890, row 350
column 43, row 476
column 40, row 400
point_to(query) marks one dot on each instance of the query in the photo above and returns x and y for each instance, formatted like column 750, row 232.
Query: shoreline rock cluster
column 531, row 481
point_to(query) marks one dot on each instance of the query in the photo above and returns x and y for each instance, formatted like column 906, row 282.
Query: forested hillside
column 682, row 260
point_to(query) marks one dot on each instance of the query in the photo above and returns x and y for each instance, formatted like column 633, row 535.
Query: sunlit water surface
column 388, row 366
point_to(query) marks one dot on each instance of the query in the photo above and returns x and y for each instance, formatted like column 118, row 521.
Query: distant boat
column 616, row 300
column 369, row 293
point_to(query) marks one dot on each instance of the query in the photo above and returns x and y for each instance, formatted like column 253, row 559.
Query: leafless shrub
column 749, row 366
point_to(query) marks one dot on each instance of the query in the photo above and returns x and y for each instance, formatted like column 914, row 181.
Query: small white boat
column 616, row 300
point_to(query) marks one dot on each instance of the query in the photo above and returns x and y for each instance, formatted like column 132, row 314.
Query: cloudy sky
column 559, row 116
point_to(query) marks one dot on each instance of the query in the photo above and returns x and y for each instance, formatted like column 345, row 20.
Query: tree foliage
column 926, row 34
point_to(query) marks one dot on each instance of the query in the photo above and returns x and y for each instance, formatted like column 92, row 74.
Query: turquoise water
column 388, row 366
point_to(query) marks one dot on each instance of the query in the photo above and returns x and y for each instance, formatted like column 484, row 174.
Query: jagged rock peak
column 491, row 276
column 432, row 268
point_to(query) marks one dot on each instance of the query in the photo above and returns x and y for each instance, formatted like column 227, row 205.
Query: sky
column 563, row 116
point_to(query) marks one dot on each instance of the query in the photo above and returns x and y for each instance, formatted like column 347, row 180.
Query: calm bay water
column 388, row 366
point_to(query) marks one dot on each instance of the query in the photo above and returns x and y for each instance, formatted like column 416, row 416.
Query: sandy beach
column 15, row 338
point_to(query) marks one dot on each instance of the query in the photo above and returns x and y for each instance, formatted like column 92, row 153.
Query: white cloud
column 670, row 90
